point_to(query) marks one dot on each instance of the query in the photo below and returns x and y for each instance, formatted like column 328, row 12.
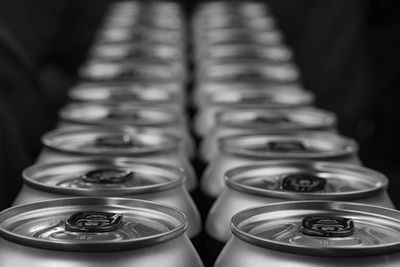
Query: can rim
column 177, row 180
column 93, row 246
column 48, row 141
column 171, row 117
column 167, row 88
column 337, row 207
column 305, row 97
column 349, row 146
column 381, row 181
column 327, row 119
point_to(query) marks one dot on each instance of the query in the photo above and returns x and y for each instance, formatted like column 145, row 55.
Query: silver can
column 110, row 178
column 256, row 121
column 123, row 51
column 204, row 88
column 211, row 104
column 101, row 142
column 237, row 36
column 169, row 95
column 281, row 181
column 242, row 150
column 311, row 233
column 75, row 116
column 255, row 70
column 95, row 232
column 241, row 52
column 129, row 71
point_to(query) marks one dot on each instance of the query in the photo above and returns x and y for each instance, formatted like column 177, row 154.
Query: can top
column 101, row 70
column 301, row 180
column 121, row 51
column 103, row 177
column 101, row 114
column 277, row 119
column 293, row 145
column 91, row 224
column 320, row 228
column 271, row 98
column 225, row 52
column 126, row 92
column 101, row 141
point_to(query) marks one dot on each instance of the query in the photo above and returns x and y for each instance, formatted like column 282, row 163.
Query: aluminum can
column 110, row 178
column 204, row 88
column 169, row 95
column 282, row 181
column 140, row 34
column 247, row 121
column 132, row 71
column 242, row 52
column 255, row 70
column 242, row 150
column 131, row 143
column 211, row 104
column 133, row 51
column 248, row 9
column 313, row 234
column 237, row 36
column 95, row 232
column 116, row 115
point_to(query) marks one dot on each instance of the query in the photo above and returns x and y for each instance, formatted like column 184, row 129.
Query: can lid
column 220, row 36
column 129, row 71
column 103, row 177
column 125, row 92
column 91, row 224
column 113, row 114
column 252, row 98
column 249, row 71
column 302, row 180
column 122, row 51
column 273, row 53
column 296, row 145
column 111, row 142
column 320, row 228
column 277, row 119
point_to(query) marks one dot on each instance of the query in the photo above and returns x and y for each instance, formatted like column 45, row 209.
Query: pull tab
column 327, row 226
column 117, row 141
column 93, row 222
column 107, row 176
column 303, row 182
column 118, row 115
column 286, row 146
column 271, row 120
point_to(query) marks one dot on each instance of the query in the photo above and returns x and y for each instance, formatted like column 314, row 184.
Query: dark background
column 348, row 53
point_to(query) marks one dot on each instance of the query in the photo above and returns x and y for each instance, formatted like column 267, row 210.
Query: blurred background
column 347, row 51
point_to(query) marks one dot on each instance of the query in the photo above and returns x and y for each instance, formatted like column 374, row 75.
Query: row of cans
column 286, row 188
column 111, row 185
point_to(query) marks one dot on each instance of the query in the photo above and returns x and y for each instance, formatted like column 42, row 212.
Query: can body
column 48, row 155
column 176, row 197
column 232, row 201
column 212, row 181
column 238, row 253
column 179, row 252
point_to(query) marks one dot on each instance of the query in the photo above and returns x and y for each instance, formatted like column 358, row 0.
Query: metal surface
column 280, row 181
column 374, row 242
column 102, row 142
column 246, row 121
column 241, row 150
column 211, row 104
column 94, row 232
column 110, row 178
